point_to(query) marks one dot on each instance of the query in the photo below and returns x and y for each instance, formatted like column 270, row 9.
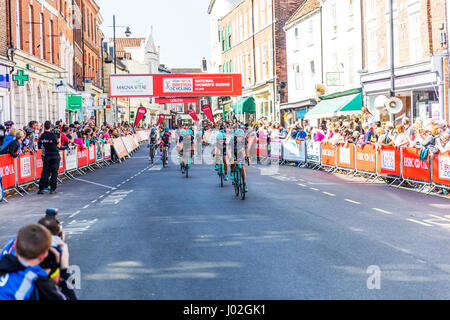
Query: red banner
column 441, row 168
column 328, row 154
column 389, row 161
column 193, row 115
column 413, row 167
column 82, row 155
column 366, row 158
column 25, row 168
column 207, row 111
column 7, row 171
column 161, row 119
column 39, row 164
column 175, row 85
column 176, row 100
column 62, row 162
column 141, row 112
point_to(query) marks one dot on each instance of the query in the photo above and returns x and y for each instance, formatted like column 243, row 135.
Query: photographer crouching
column 49, row 142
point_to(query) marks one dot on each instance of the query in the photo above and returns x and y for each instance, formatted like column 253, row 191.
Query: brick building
column 420, row 57
column 5, row 64
column 253, row 43
column 41, row 36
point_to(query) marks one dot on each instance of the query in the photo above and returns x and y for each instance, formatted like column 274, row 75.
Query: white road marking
column 86, row 206
column 382, row 211
column 95, row 183
column 419, row 222
column 157, row 168
column 93, row 201
column 352, row 201
column 301, row 184
column 314, row 189
column 329, row 194
column 74, row 214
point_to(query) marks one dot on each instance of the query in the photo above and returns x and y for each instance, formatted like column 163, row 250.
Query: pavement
column 138, row 231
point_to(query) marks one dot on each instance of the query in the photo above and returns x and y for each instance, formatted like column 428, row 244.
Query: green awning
column 340, row 106
column 246, row 105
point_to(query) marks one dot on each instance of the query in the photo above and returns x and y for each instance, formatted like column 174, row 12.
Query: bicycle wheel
column 152, row 154
column 236, row 182
column 164, row 158
column 242, row 186
column 186, row 170
column 221, row 175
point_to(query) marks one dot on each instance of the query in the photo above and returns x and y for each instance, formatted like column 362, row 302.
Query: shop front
column 419, row 87
column 245, row 109
column 73, row 108
column 294, row 112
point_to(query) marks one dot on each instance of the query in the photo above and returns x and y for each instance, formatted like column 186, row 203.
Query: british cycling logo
column 4, row 280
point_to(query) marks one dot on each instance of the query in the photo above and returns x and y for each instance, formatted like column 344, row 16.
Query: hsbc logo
column 328, row 152
column 365, row 157
column 7, row 170
column 415, row 163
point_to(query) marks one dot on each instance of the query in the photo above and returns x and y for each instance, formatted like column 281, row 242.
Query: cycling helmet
column 166, row 129
column 190, row 132
column 239, row 132
column 220, row 136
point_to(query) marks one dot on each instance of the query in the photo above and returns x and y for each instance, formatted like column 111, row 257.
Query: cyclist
column 220, row 153
column 187, row 141
column 165, row 143
column 239, row 154
column 152, row 144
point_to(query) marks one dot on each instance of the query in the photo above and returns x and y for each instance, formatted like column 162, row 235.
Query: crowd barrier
column 18, row 173
column 397, row 164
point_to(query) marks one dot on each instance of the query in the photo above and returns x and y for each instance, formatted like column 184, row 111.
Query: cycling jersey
column 153, row 138
column 166, row 139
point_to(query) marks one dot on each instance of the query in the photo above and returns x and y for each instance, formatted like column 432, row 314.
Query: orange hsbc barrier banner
column 119, row 147
column 175, row 85
column 441, row 169
column 25, row 168
column 345, row 156
column 389, row 161
column 7, row 171
column 413, row 167
column 366, row 158
column 82, row 156
column 328, row 154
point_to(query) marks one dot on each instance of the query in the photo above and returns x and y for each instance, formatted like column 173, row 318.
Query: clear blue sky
column 181, row 27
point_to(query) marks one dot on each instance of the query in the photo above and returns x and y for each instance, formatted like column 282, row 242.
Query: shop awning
column 339, row 106
column 246, row 105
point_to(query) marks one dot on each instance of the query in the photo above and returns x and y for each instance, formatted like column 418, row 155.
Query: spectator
column 442, row 142
column 369, row 136
column 11, row 145
column 22, row 269
column 401, row 140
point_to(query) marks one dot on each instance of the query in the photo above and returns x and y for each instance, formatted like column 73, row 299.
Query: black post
column 392, row 93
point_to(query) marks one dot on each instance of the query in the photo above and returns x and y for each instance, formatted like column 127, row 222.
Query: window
column 371, row 7
column 313, row 67
column 270, row 45
column 229, row 36
column 258, row 17
column 264, row 61
column 298, row 78
column 351, row 66
column 415, row 37
column 334, row 17
column 245, row 25
column 263, row 13
column 296, row 39
column 241, row 28
column 18, row 24
column 258, row 63
column 50, row 30
column 310, row 31
column 30, row 29
column 223, row 40
column 41, row 34
column 269, row 11
column 372, row 48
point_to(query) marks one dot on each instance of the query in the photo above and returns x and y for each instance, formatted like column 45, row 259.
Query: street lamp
column 127, row 34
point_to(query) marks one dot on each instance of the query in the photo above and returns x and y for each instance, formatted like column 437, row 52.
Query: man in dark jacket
column 49, row 143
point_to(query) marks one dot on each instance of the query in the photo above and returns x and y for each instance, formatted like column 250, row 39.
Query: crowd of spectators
column 83, row 134
column 364, row 130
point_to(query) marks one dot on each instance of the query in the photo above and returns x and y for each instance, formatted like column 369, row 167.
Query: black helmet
column 9, row 124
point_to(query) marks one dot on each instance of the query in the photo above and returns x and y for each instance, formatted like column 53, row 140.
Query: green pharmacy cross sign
column 21, row 78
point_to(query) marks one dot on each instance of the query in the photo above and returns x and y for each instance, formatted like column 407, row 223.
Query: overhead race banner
column 175, row 85
column 128, row 85
column 141, row 112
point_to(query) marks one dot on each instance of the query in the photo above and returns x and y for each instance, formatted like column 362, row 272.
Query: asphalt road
column 143, row 232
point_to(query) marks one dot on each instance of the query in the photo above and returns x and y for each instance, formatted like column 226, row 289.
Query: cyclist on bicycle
column 164, row 142
column 239, row 154
column 187, row 141
column 153, row 138
column 220, row 153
